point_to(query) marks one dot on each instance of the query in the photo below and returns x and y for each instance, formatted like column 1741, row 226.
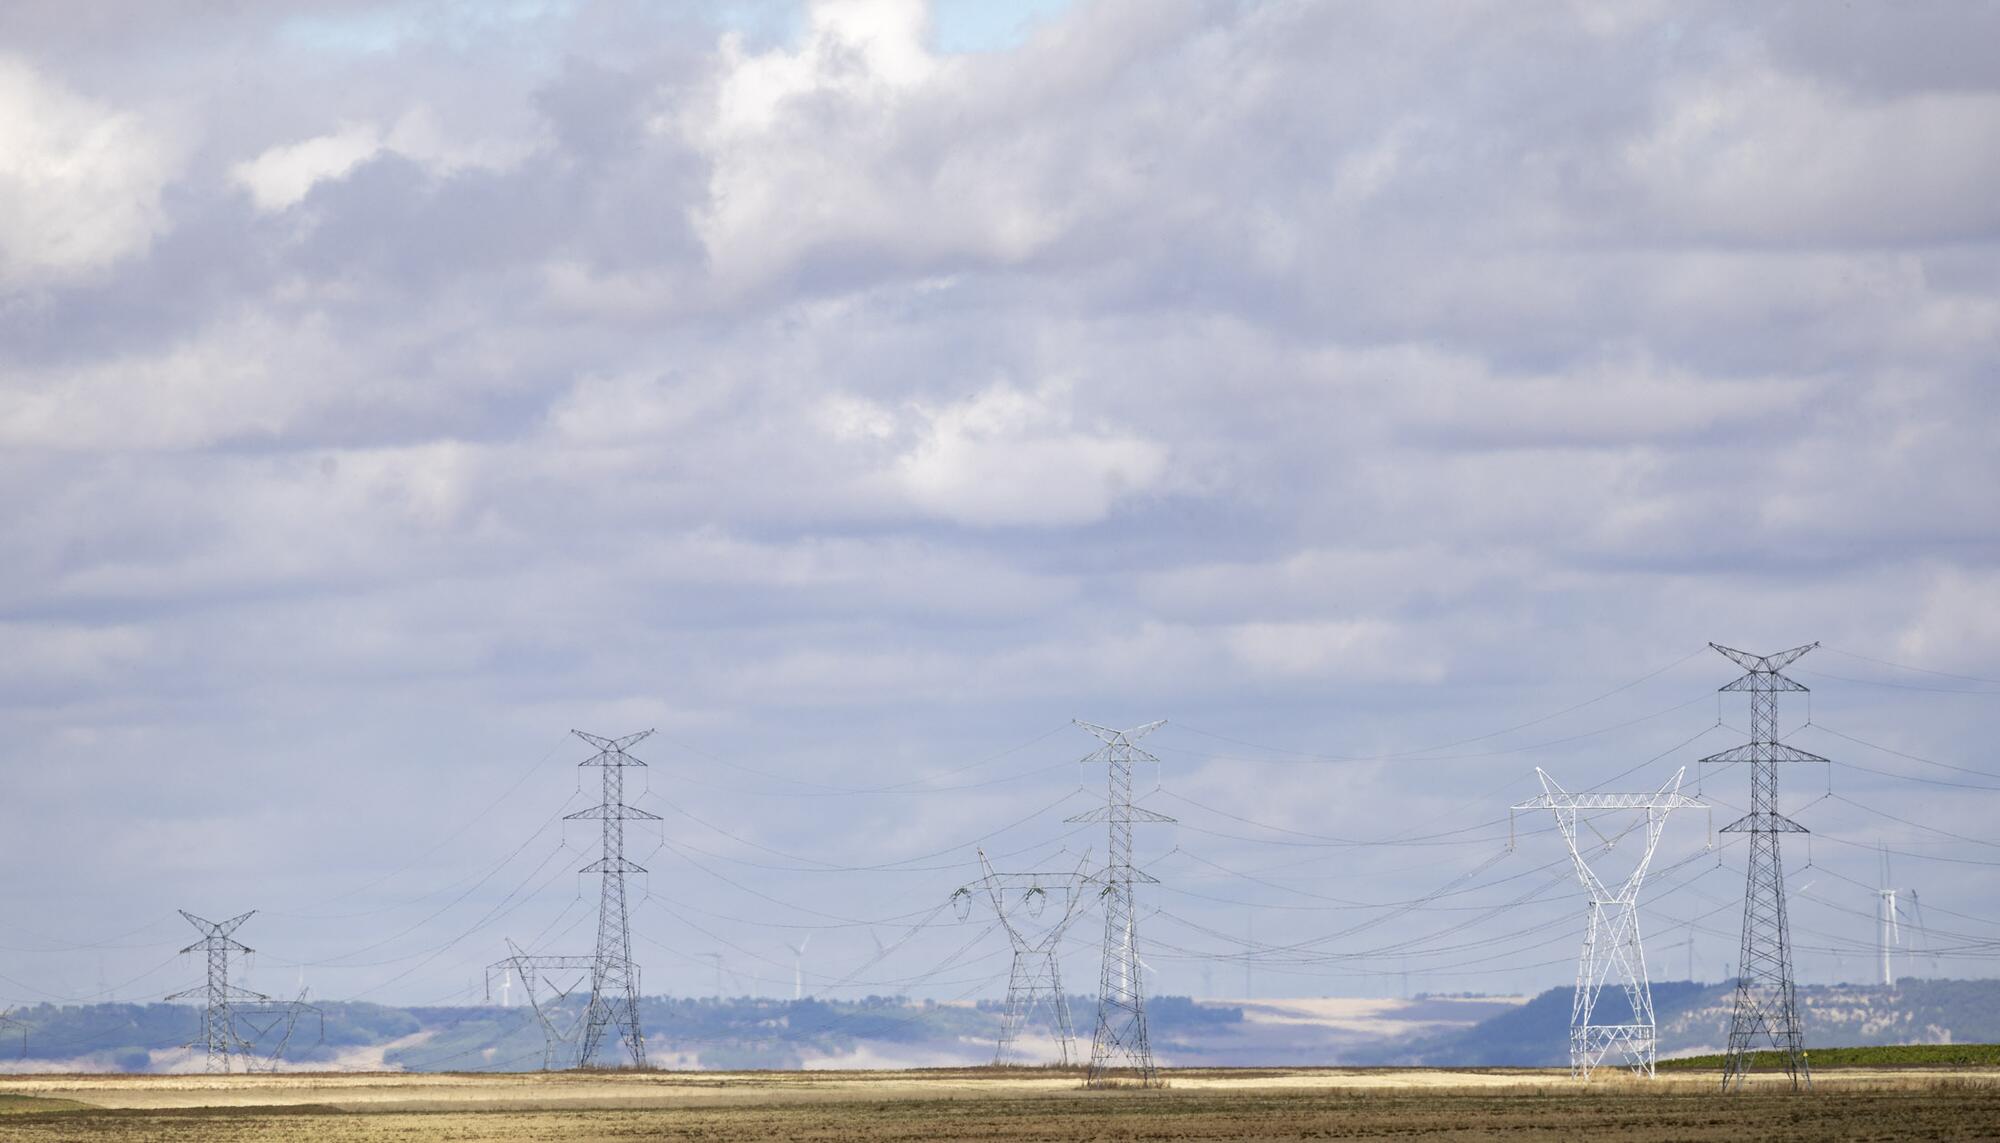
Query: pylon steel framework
column 1612, row 952
column 1034, row 984
column 1119, row 1043
column 614, row 975
column 1766, row 1004
column 224, row 1004
column 8, row 1020
column 549, row 981
column 218, row 1031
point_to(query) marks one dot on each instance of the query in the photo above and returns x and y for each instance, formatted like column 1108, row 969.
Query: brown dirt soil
column 845, row 1107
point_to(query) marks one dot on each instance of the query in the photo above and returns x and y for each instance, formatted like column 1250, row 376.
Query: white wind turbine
column 798, row 967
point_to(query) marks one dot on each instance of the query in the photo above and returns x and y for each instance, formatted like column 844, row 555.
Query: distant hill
column 1694, row 1019
column 687, row 1033
column 892, row 1032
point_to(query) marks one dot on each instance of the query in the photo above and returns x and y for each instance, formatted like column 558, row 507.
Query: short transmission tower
column 1120, row 1043
column 1766, row 1004
column 614, row 975
column 8, row 1020
column 549, row 981
column 1034, row 986
column 1612, row 953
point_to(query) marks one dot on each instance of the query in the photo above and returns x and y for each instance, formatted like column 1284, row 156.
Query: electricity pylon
column 614, row 975
column 1766, row 1003
column 224, row 1004
column 548, row 981
column 8, row 1020
column 1120, row 1040
column 1612, row 952
column 218, row 1029
column 1035, row 982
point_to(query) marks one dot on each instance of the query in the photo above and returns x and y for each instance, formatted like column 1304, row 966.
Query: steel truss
column 1612, row 952
column 1766, row 1006
column 1120, row 1045
column 1034, row 984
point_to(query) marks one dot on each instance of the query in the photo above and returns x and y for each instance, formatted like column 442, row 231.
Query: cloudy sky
column 1394, row 397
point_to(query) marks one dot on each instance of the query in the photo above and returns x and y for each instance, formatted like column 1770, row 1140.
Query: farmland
column 1019, row 1104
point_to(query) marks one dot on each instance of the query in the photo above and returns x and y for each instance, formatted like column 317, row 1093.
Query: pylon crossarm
column 1649, row 801
column 1119, row 737
column 1764, row 664
column 616, row 746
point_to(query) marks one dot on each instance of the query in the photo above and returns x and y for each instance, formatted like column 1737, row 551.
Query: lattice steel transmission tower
column 1120, row 1042
column 218, row 1023
column 614, row 975
column 1766, row 1004
column 549, row 981
column 1612, row 953
column 1034, row 985
column 225, row 1006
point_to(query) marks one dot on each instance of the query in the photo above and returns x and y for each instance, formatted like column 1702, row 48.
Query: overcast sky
column 858, row 392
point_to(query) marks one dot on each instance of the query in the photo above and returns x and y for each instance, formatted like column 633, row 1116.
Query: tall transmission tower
column 1766, row 1002
column 1034, row 985
column 1120, row 1042
column 614, row 975
column 218, row 1026
column 1612, row 953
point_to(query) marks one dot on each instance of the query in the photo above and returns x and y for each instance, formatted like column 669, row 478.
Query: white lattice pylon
column 1611, row 950
column 1036, row 910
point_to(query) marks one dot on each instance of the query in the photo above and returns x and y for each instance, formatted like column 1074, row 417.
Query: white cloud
column 858, row 48
column 1011, row 457
column 281, row 176
column 80, row 182
column 1359, row 649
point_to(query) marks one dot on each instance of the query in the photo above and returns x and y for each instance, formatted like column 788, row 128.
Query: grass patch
column 1880, row 1056
column 29, row 1104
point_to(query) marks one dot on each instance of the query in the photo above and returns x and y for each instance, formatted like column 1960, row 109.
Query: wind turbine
column 1890, row 933
column 798, row 967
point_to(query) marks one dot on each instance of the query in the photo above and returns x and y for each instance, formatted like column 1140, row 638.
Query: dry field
column 983, row 1104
